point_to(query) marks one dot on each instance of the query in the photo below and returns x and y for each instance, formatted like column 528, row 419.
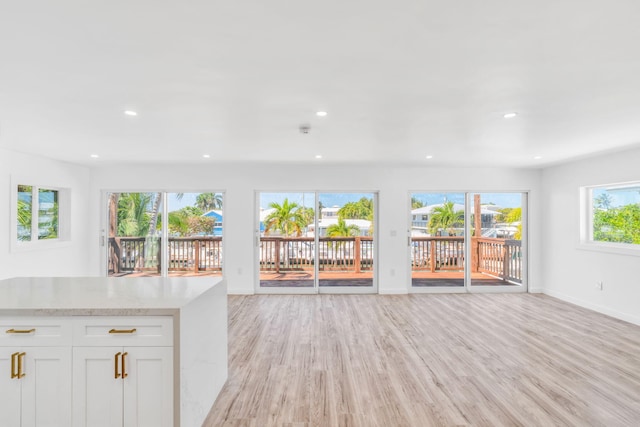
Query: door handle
column 124, row 369
column 14, row 359
column 21, row 364
column 20, row 331
column 122, row 331
column 116, row 374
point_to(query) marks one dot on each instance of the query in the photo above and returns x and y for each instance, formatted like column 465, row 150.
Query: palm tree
column 445, row 217
column 286, row 218
column 603, row 201
column 209, row 201
column 341, row 229
column 24, row 219
column 133, row 214
column 416, row 203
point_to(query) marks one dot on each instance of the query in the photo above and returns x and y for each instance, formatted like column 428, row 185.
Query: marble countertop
column 100, row 295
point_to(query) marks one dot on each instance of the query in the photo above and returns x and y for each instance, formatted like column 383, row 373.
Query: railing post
column 432, row 256
column 116, row 255
column 196, row 257
column 357, row 255
column 277, row 260
column 475, row 254
column 505, row 261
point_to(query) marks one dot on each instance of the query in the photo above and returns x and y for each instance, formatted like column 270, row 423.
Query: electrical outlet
column 599, row 286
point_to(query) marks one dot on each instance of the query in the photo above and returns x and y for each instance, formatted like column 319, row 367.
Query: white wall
column 239, row 182
column 571, row 273
column 72, row 259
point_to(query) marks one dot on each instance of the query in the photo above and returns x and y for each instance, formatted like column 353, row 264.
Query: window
column 141, row 243
column 37, row 214
column 612, row 215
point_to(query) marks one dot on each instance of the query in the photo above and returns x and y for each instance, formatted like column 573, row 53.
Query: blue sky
column 506, row 200
column 621, row 196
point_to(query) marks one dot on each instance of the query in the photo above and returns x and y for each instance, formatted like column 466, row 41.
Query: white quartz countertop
column 101, row 295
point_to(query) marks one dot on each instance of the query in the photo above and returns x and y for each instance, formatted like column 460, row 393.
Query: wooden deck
column 419, row 279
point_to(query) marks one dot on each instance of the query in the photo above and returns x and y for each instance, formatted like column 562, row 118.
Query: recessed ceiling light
column 510, row 115
column 318, row 156
column 537, row 157
column 206, row 156
column 321, row 113
column 429, row 157
column 130, row 113
column 94, row 156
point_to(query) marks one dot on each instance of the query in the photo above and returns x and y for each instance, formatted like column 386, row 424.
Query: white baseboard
column 393, row 292
column 598, row 308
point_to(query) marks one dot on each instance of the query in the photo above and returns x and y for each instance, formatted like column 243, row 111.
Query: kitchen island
column 147, row 351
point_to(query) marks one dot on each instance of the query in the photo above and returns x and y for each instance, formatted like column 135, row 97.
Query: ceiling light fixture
column 130, row 113
column 510, row 115
column 318, row 156
column 321, row 114
column 94, row 156
column 206, row 156
column 429, row 157
column 537, row 157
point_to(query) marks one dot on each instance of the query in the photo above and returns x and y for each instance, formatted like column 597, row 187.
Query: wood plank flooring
column 426, row 360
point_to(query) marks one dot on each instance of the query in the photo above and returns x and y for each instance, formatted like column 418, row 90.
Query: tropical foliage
column 47, row 215
column 209, row 201
column 189, row 221
column 515, row 215
column 341, row 229
column 134, row 216
column 288, row 218
column 445, row 217
column 416, row 203
column 620, row 224
column 362, row 209
column 24, row 220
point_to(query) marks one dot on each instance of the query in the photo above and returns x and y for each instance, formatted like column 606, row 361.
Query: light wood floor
column 421, row 360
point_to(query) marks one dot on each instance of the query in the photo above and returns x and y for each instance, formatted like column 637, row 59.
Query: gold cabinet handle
column 124, row 369
column 20, row 364
column 116, row 374
column 20, row 331
column 14, row 358
column 122, row 331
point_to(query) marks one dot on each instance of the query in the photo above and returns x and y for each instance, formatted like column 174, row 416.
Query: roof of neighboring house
column 456, row 207
column 214, row 214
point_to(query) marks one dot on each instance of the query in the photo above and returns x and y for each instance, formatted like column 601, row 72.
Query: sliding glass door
column 286, row 243
column 463, row 242
column 309, row 242
column 497, row 255
column 139, row 242
column 345, row 258
column 134, row 230
column 437, row 240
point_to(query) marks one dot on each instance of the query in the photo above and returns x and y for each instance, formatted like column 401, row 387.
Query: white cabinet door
column 35, row 386
column 103, row 398
column 10, row 390
column 46, row 387
column 148, row 388
column 97, row 393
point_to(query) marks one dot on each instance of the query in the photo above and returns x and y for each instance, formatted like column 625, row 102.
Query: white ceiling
column 399, row 79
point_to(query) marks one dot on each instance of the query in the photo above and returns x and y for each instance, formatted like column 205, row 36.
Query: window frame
column 586, row 239
column 35, row 242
